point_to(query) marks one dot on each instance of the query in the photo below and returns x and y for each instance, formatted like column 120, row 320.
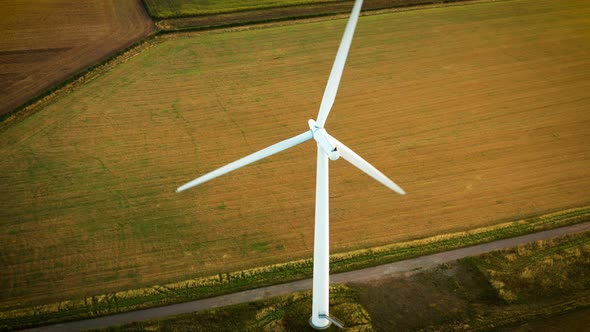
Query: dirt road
column 364, row 275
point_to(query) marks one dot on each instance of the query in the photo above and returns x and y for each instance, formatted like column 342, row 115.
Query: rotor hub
column 320, row 135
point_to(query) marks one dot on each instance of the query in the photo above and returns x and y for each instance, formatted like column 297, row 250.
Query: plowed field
column 44, row 42
column 480, row 112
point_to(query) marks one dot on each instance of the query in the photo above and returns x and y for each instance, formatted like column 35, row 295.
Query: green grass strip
column 192, row 289
column 8, row 118
column 188, row 8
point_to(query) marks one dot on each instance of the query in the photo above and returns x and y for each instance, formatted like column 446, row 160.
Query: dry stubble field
column 479, row 112
column 44, row 42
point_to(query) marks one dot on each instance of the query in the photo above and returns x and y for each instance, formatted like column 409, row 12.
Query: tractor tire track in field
column 401, row 268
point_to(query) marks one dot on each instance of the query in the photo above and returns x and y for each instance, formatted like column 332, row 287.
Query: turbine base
column 319, row 327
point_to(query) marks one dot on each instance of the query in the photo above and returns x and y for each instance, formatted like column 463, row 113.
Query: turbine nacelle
column 320, row 135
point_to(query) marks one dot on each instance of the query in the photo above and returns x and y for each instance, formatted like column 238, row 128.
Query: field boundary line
column 347, row 4
column 75, row 80
column 165, row 26
column 231, row 282
column 400, row 268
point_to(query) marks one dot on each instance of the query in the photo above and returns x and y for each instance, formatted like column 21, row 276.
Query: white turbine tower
column 328, row 148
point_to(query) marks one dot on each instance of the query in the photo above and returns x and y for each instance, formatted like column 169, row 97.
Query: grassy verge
column 191, row 289
column 75, row 80
column 531, row 272
column 167, row 27
column 537, row 280
column 545, row 278
column 171, row 18
column 181, row 8
column 284, row 313
column 191, row 8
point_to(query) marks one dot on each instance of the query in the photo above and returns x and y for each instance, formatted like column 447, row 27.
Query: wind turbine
column 327, row 148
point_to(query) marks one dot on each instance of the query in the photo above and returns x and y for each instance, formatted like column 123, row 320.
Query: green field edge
column 520, row 311
column 47, row 96
column 157, row 16
column 345, row 304
column 154, row 15
column 295, row 17
column 261, row 315
column 230, row 282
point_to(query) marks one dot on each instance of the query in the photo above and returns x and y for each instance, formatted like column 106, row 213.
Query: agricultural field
column 44, row 42
column 479, row 112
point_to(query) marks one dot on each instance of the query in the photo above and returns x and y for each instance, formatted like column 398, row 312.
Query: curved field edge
column 198, row 288
column 535, row 281
column 184, row 8
column 83, row 76
column 73, row 81
column 46, row 44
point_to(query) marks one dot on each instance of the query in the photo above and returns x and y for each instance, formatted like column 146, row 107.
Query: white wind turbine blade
column 363, row 165
column 338, row 67
column 269, row 151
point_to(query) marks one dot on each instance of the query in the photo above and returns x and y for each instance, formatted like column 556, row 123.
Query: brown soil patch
column 44, row 42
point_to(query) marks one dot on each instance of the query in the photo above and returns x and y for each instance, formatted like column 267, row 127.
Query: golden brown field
column 44, row 42
column 479, row 112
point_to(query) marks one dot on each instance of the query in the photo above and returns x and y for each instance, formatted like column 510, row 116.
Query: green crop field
column 479, row 112
column 176, row 8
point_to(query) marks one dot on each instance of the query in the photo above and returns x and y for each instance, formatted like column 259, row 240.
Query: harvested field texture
column 44, row 42
column 469, row 296
column 479, row 112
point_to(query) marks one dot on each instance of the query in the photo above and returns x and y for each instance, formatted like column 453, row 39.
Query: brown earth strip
column 401, row 268
column 44, row 43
